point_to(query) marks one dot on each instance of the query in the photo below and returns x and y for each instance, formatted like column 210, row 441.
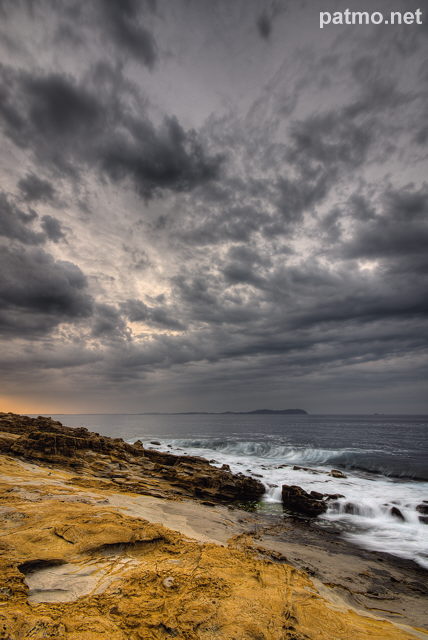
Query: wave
column 366, row 460
column 260, row 449
column 373, row 461
column 374, row 511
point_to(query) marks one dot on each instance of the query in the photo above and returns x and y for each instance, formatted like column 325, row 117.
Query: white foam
column 365, row 512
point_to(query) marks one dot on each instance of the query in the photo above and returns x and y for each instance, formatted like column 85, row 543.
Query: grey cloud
column 37, row 293
column 399, row 229
column 263, row 219
column 119, row 23
column 169, row 158
column 66, row 124
column 330, row 140
column 267, row 17
column 156, row 316
column 53, row 228
column 124, row 22
column 107, row 322
column 36, row 189
column 264, row 25
column 14, row 223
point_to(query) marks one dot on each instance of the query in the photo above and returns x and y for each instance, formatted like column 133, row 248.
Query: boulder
column 298, row 500
column 396, row 513
column 423, row 508
column 335, row 473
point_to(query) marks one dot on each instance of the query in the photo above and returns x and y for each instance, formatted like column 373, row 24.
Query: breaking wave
column 374, row 461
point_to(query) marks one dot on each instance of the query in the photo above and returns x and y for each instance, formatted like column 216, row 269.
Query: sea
column 384, row 459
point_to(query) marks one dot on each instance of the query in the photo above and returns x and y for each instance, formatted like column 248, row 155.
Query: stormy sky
column 212, row 205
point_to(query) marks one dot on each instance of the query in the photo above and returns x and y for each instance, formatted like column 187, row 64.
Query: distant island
column 269, row 412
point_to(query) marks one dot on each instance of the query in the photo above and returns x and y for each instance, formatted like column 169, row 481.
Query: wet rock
column 423, row 508
column 335, row 473
column 296, row 499
column 155, row 442
column 333, row 496
column 296, row 467
column 316, row 495
column 423, row 519
column 351, row 508
column 396, row 513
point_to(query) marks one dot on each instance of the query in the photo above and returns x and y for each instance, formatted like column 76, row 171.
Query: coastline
column 172, row 544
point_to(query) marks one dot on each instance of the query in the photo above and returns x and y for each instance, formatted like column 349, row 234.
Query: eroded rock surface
column 75, row 566
column 84, row 571
column 129, row 467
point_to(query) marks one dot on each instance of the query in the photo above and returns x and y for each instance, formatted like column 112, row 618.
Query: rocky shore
column 101, row 539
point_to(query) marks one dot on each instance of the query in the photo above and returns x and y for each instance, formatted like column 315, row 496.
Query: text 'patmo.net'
column 369, row 17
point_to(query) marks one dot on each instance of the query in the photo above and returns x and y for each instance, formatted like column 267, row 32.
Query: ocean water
column 384, row 457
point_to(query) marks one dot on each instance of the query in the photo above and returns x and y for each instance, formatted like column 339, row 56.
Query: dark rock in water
column 395, row 511
column 351, row 508
column 335, row 473
column 316, row 495
column 296, row 499
column 297, row 468
column 155, row 442
column 423, row 508
column 423, row 519
column 225, row 467
column 333, row 496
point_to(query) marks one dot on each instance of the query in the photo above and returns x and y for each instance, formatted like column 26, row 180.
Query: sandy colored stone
column 161, row 584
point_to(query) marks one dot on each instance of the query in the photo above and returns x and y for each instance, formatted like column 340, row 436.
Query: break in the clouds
column 211, row 205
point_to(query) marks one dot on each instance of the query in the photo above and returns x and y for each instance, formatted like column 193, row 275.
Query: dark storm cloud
column 264, row 25
column 36, row 189
column 37, row 293
column 169, row 158
column 328, row 141
column 155, row 316
column 121, row 23
column 124, row 22
column 108, row 323
column 53, row 228
column 270, row 254
column 266, row 18
column 15, row 223
column 66, row 124
column 399, row 229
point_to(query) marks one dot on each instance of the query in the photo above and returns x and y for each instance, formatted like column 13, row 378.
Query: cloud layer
column 211, row 207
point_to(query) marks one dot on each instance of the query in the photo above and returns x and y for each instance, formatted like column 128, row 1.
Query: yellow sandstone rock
column 129, row 579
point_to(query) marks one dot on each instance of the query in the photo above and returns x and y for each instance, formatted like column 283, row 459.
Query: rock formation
column 78, row 561
column 130, row 467
column 299, row 501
